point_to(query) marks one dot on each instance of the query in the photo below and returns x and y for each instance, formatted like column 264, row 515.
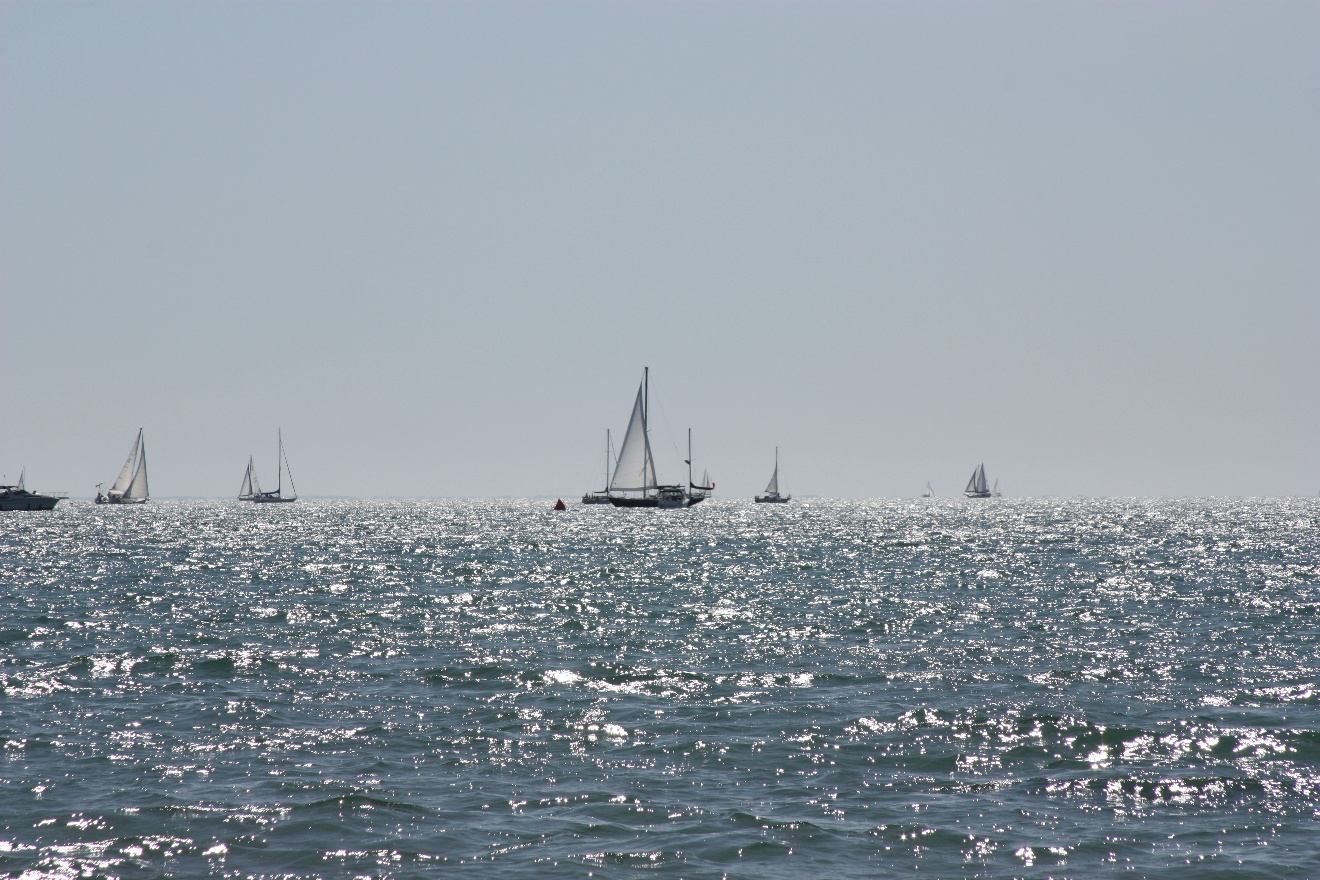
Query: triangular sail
column 120, row 485
column 772, row 487
column 137, row 490
column 634, row 471
column 22, row 480
column 251, row 486
column 977, row 484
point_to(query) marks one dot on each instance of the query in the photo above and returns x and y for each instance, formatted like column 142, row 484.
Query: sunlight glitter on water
column 840, row 688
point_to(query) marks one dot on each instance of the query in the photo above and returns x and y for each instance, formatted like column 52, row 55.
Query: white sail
column 22, row 480
column 251, row 486
column 634, row 471
column 120, row 485
column 772, row 487
column 137, row 490
column 977, row 484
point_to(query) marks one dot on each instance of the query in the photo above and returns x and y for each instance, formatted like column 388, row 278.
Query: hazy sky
column 437, row 243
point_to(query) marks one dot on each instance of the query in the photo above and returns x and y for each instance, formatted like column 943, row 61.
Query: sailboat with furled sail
column 251, row 488
column 634, row 483
column 130, row 487
column 772, row 495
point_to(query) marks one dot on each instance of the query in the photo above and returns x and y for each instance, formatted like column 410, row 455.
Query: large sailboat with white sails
column 130, row 487
column 251, row 488
column 635, row 483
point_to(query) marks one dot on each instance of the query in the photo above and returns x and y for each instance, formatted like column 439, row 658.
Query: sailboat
column 603, row 496
column 977, row 487
column 130, row 487
column 772, row 495
column 929, row 493
column 635, row 483
column 995, row 493
column 251, row 488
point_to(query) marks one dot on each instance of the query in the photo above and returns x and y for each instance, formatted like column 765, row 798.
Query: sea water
column 948, row 688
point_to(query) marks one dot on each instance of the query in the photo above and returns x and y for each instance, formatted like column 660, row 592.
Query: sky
column 436, row 244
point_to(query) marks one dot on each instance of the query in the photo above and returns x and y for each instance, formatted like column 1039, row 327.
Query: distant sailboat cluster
column 631, row 477
column 632, row 481
column 131, row 486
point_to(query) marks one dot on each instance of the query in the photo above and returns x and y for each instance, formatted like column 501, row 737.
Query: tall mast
column 607, row 459
column 279, row 465
column 689, row 458
column 646, row 428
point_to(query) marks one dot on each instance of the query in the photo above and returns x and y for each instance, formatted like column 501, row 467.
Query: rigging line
column 664, row 417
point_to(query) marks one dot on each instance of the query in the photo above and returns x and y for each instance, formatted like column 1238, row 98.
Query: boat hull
column 121, row 500
column 28, row 501
column 596, row 498
column 262, row 499
column 635, row 502
column 773, row 499
column 664, row 504
column 977, row 494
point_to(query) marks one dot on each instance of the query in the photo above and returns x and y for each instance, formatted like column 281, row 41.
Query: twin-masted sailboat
column 978, row 486
column 251, row 488
column 772, row 495
column 635, row 483
column 130, row 487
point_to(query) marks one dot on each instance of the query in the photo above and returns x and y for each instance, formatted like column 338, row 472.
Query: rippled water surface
column 1030, row 688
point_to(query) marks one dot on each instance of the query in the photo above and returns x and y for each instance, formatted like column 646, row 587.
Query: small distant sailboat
column 772, row 495
column 251, row 488
column 995, row 493
column 603, row 496
column 130, row 487
column 929, row 493
column 634, row 471
column 977, row 486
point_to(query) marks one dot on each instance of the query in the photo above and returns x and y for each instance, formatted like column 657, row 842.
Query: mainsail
column 772, row 487
column 120, row 485
column 634, row 471
column 137, row 490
